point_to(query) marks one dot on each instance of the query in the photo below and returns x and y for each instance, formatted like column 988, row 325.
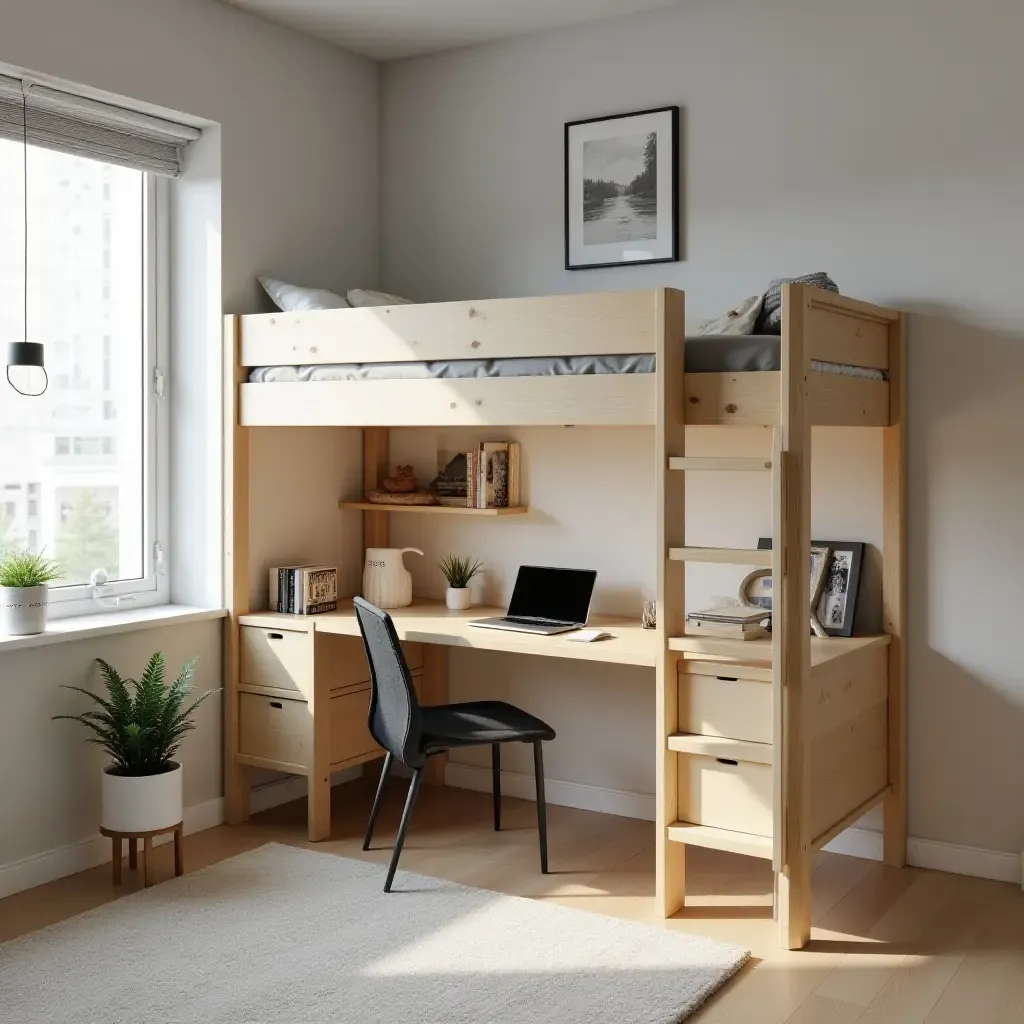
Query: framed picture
column 837, row 604
column 622, row 189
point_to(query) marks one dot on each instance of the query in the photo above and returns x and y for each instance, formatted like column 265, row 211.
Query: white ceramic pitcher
column 386, row 581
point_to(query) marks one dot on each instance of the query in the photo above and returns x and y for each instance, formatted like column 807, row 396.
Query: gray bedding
column 711, row 354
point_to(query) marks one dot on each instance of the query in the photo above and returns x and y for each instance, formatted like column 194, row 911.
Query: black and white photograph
column 837, row 605
column 621, row 189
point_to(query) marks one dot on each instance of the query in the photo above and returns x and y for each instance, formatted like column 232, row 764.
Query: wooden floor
column 889, row 946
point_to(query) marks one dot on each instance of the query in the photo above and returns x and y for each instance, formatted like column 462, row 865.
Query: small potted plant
column 23, row 580
column 458, row 572
column 140, row 724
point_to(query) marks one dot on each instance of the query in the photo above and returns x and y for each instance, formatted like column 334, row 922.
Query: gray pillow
column 770, row 320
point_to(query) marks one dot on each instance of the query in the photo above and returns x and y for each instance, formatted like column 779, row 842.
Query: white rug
column 287, row 936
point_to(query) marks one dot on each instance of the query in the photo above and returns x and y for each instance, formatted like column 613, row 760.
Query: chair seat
column 477, row 722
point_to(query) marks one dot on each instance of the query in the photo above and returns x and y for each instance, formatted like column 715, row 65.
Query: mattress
column 748, row 353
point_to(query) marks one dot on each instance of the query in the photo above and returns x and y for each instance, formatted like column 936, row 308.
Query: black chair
column 412, row 733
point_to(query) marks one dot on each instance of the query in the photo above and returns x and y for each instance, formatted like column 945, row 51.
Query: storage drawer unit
column 725, row 705
column 275, row 729
column 280, row 659
column 722, row 793
column 341, row 661
column 350, row 734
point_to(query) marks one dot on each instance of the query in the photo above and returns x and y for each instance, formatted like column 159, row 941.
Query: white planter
column 23, row 610
column 458, row 598
column 144, row 803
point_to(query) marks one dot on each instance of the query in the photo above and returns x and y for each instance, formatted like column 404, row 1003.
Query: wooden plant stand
column 147, row 850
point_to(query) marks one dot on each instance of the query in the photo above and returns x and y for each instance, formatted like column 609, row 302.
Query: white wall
column 881, row 142
column 297, row 127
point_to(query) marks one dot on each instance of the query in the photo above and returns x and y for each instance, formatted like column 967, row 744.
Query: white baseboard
column 50, row 865
column 90, row 853
column 930, row 853
column 565, row 794
column 292, row 787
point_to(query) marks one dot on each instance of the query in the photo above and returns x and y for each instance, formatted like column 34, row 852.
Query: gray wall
column 298, row 165
column 882, row 142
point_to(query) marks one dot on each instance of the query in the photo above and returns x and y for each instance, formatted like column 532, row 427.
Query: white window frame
column 154, row 586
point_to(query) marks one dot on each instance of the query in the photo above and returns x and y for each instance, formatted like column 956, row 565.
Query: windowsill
column 80, row 627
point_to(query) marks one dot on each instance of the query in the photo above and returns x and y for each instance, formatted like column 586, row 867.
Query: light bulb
column 27, row 380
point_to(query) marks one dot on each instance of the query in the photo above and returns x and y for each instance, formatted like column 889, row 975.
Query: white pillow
column 364, row 297
column 293, row 299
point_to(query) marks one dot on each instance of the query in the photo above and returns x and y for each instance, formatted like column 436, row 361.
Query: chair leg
column 496, row 783
column 376, row 801
column 410, row 800
column 542, row 812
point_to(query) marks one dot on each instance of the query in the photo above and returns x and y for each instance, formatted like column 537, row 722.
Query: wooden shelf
column 455, row 510
column 760, row 650
column 720, row 746
column 721, row 839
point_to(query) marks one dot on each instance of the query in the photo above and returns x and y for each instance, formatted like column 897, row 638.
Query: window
column 93, row 443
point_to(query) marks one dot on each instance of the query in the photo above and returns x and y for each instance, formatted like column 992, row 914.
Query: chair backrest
column 394, row 709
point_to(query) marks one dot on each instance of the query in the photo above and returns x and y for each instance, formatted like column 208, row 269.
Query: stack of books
column 732, row 621
column 303, row 589
column 449, row 485
column 492, row 475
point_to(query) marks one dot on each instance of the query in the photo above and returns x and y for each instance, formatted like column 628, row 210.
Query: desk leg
column 319, row 799
column 434, row 690
column 236, row 792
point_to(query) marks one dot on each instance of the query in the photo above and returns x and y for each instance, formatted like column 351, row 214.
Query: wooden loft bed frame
column 767, row 748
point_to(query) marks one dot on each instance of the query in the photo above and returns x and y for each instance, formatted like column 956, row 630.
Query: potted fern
column 458, row 572
column 140, row 724
column 23, row 580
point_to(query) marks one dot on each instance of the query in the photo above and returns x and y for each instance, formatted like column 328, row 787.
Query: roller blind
column 86, row 127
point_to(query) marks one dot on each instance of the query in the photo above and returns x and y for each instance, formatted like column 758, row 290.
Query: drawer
column 731, row 795
column 341, row 660
column 725, row 705
column 350, row 735
column 275, row 729
column 278, row 658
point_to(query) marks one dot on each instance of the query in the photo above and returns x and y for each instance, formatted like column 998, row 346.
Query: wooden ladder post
column 791, row 600
column 669, row 441
column 894, row 595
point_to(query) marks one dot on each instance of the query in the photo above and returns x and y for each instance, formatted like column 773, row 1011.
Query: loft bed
column 766, row 748
column 587, row 360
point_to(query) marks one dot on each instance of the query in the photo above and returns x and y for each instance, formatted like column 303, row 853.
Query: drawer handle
column 279, row 705
column 727, row 760
column 275, row 636
column 727, row 679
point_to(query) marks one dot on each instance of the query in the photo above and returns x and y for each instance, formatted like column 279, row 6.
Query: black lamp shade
column 25, row 353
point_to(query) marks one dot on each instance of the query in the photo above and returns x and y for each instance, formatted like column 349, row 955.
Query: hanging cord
column 24, row 171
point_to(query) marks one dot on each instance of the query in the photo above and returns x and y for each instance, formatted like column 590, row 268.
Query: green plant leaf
column 23, row 569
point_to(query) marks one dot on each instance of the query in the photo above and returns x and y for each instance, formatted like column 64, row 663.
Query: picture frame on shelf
column 836, row 607
column 622, row 189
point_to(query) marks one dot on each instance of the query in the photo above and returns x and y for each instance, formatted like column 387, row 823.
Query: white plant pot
column 23, row 610
column 142, row 803
column 458, row 598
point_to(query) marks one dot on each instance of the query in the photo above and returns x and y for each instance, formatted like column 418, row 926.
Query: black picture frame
column 841, row 552
column 672, row 253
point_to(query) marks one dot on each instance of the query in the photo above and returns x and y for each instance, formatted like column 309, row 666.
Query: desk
column 304, row 684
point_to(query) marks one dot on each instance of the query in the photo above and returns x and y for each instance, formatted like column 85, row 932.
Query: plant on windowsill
column 23, row 600
column 140, row 724
column 458, row 572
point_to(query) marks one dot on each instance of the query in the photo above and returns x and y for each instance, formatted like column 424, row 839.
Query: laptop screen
column 548, row 593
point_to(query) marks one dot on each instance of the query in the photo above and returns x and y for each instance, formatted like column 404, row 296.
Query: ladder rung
column 729, row 556
column 741, row 465
column 720, row 746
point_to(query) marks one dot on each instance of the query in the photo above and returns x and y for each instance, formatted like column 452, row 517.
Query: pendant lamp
column 25, row 370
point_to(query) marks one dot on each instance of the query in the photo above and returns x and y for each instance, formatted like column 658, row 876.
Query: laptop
column 546, row 601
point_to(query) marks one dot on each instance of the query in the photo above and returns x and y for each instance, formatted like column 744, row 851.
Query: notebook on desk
column 546, row 601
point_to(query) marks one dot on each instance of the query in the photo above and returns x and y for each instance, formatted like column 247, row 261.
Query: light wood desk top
column 431, row 622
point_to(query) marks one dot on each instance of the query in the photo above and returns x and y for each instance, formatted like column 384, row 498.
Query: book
column 472, row 462
column 732, row 622
column 732, row 613
column 302, row 589
column 514, row 498
column 493, row 475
